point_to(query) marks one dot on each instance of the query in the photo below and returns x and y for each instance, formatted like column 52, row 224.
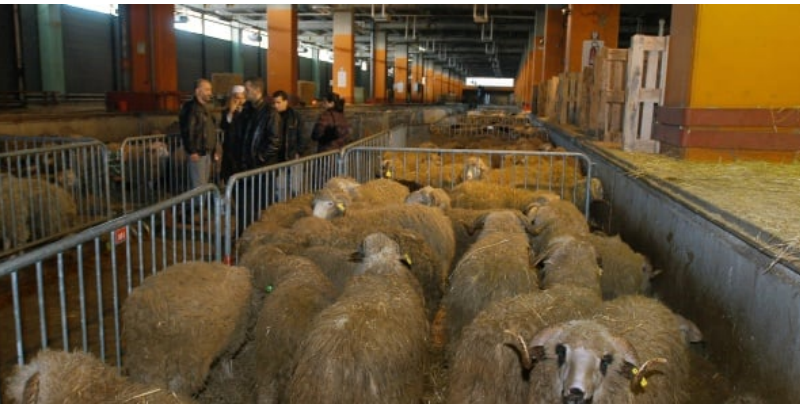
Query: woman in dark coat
column 331, row 130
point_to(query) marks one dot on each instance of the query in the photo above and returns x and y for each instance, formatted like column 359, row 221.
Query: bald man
column 199, row 133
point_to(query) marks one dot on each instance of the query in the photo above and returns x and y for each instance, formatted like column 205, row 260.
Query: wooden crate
column 608, row 97
column 306, row 91
column 221, row 83
column 567, row 103
column 647, row 71
column 551, row 98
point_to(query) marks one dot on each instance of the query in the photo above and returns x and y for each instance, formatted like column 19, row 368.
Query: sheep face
column 327, row 205
column 378, row 253
column 475, row 169
column 421, row 196
column 593, row 366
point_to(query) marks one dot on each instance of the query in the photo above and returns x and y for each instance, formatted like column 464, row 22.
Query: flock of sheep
column 371, row 293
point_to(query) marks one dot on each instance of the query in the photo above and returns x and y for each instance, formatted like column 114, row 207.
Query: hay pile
column 763, row 194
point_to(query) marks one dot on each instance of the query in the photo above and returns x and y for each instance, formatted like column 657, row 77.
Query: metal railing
column 564, row 173
column 46, row 193
column 152, row 168
column 12, row 143
column 68, row 294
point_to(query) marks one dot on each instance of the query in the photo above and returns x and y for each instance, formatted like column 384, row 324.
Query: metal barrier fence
column 153, row 168
column 46, row 193
column 12, row 143
column 499, row 125
column 564, row 173
column 67, row 295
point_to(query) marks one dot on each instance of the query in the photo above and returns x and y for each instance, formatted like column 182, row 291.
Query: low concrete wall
column 746, row 301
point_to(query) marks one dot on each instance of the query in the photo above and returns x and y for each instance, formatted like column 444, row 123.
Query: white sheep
column 632, row 350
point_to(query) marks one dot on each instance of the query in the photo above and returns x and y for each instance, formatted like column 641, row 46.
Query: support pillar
column 237, row 58
column 315, row 74
column 721, row 105
column 344, row 54
column 379, row 68
column 554, row 30
column 401, row 73
column 584, row 20
column 153, row 57
column 282, row 59
column 51, row 48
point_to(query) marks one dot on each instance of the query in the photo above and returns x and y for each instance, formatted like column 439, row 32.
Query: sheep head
column 588, row 356
column 328, row 204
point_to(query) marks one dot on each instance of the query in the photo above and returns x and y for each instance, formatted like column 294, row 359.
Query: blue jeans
column 199, row 171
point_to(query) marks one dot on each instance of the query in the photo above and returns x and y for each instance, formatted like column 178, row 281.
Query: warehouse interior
column 685, row 118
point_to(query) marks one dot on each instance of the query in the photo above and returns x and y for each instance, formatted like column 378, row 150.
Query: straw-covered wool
column 14, row 214
column 625, row 272
column 283, row 322
column 57, row 377
column 179, row 321
column 488, row 195
column 496, row 266
column 484, row 366
column 369, row 346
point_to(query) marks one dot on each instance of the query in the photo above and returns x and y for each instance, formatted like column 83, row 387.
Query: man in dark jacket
column 199, row 133
column 294, row 143
column 259, row 140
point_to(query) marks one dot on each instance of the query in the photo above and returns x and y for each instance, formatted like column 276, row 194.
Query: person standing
column 229, row 124
column 199, row 133
column 294, row 143
column 331, row 130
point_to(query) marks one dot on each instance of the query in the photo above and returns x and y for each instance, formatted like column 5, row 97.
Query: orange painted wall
column 554, row 32
column 588, row 18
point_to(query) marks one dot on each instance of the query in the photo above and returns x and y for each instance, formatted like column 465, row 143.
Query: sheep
column 488, row 195
column 555, row 219
column 331, row 201
column 463, row 221
column 284, row 320
column 380, row 192
column 430, row 196
column 571, row 260
column 624, row 271
column 55, row 377
column 13, row 214
column 147, row 165
column 179, row 321
column 370, row 345
column 496, row 266
column 484, row 367
column 430, row 223
column 631, row 350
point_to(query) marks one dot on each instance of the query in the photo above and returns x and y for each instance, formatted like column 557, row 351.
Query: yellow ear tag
column 340, row 206
column 643, row 381
column 388, row 174
column 407, row 258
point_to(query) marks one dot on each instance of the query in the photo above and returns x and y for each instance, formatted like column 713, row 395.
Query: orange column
column 584, row 20
column 400, row 73
column 437, row 80
column 282, row 60
column 429, row 85
column 344, row 53
column 153, row 61
column 554, row 29
column 416, row 80
column 379, row 70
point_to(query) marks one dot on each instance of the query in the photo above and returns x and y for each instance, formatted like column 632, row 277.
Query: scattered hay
column 764, row 194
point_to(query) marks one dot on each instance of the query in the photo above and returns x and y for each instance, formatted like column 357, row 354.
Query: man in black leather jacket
column 260, row 140
column 199, row 133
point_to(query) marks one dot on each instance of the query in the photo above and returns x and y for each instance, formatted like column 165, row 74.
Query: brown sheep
column 496, row 266
column 484, row 367
column 56, row 377
column 570, row 260
column 369, row 346
column 284, row 320
column 625, row 272
column 181, row 320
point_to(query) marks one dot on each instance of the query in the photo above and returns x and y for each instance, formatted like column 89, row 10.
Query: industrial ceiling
column 477, row 40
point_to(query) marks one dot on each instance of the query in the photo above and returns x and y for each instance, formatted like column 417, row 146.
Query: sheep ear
column 542, row 337
column 30, row 393
column 478, row 224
